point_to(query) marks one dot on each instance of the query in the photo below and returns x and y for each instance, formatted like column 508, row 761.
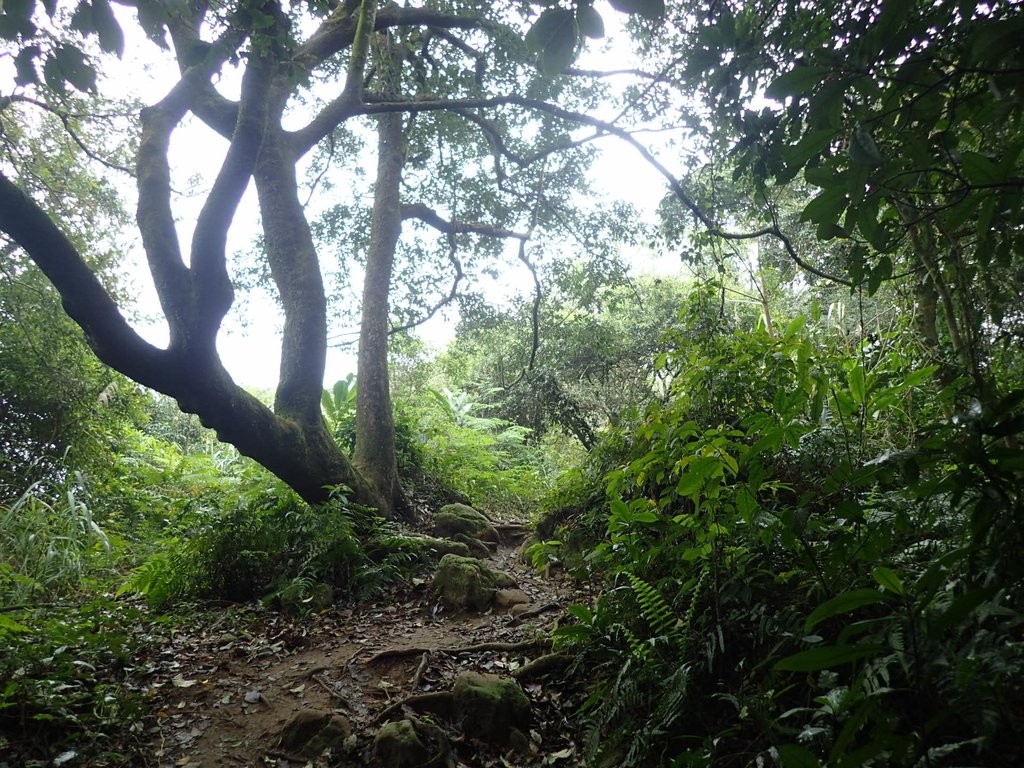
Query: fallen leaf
column 253, row 696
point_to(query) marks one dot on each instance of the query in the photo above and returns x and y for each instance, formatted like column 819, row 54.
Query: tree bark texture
column 291, row 441
column 375, row 428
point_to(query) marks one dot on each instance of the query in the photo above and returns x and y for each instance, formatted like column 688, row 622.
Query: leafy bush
column 61, row 682
column 273, row 545
column 802, row 564
column 51, row 543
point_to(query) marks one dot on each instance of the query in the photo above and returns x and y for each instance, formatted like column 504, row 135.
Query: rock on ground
column 453, row 519
column 465, row 583
column 492, row 708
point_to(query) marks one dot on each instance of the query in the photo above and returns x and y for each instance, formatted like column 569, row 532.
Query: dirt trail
column 224, row 692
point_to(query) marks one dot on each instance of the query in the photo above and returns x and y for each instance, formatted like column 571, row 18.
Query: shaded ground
column 222, row 692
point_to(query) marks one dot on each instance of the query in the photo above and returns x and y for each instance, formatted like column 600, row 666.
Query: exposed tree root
column 535, row 612
column 541, row 666
column 440, row 703
column 522, row 645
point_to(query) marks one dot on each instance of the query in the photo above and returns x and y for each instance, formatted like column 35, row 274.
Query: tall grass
column 50, row 543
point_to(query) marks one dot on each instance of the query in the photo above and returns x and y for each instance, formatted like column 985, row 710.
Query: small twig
column 418, row 677
column 323, row 684
column 280, row 755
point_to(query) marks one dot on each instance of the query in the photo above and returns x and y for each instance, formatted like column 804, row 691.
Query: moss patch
column 466, row 583
column 491, row 708
column 453, row 519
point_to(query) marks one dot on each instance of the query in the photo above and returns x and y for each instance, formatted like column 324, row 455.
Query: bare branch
column 699, row 214
column 445, row 300
column 429, row 216
column 66, row 118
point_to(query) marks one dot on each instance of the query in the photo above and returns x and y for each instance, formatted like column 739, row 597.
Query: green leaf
column 582, row 613
column 16, row 19
column 857, row 381
column 74, row 68
column 25, row 65
column 795, row 756
column 649, row 9
column 826, row 657
column 825, row 208
column 589, row 22
column 863, row 150
column 888, row 579
column 10, row 626
column 795, row 326
column 881, row 272
column 979, row 169
column 107, row 29
column 554, row 37
column 796, row 82
column 844, row 603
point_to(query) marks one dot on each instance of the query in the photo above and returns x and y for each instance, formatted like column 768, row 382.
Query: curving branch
column 430, row 217
column 65, row 118
column 211, row 283
column 699, row 214
column 84, row 298
column 445, row 300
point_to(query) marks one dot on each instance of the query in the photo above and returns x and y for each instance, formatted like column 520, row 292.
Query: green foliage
column 274, row 546
column 61, row 671
column 484, row 458
column 339, row 407
column 807, row 537
column 52, row 545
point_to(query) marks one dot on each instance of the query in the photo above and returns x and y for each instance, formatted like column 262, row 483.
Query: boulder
column 411, row 744
column 493, row 709
column 466, row 583
column 438, row 548
column 453, row 519
column 509, row 598
column 310, row 732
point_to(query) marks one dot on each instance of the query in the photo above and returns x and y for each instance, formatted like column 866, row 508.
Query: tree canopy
column 457, row 76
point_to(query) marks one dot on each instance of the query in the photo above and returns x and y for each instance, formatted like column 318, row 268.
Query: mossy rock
column 411, row 744
column 438, row 548
column 453, row 519
column 493, row 709
column 309, row 733
column 467, row 583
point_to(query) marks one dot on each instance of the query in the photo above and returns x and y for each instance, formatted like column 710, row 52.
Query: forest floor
column 223, row 688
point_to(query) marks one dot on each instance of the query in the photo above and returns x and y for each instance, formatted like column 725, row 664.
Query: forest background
column 796, row 473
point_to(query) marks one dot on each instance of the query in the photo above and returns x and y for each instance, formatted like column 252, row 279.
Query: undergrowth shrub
column 274, row 546
column 821, row 573
column 52, row 544
column 62, row 689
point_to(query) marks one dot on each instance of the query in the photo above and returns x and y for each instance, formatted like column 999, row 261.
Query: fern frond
column 653, row 607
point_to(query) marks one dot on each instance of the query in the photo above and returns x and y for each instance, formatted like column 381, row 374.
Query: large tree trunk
column 292, row 441
column 375, row 428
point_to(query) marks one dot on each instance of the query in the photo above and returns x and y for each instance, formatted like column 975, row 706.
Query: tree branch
column 211, row 283
column 65, row 119
column 84, row 298
column 701, row 216
column 429, row 216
